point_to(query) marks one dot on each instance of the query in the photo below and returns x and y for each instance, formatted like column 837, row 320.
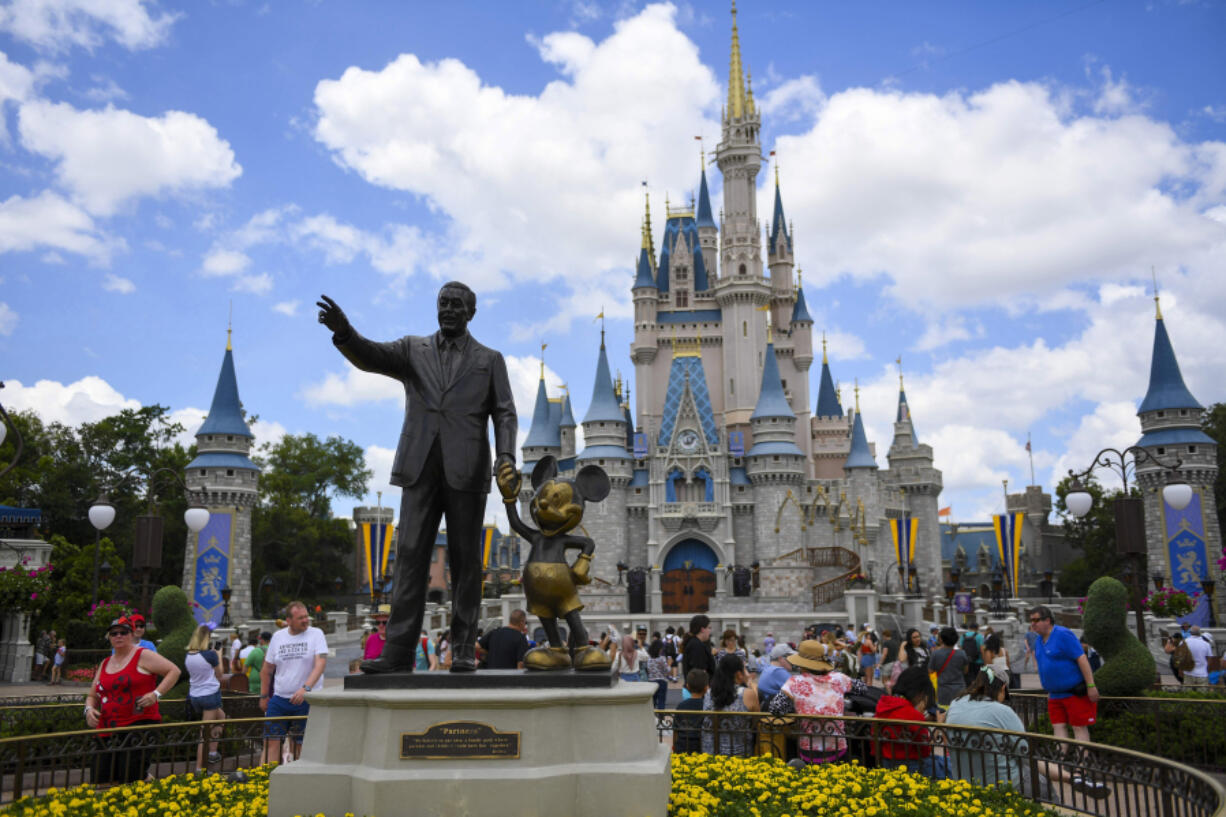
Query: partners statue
column 549, row 581
column 453, row 387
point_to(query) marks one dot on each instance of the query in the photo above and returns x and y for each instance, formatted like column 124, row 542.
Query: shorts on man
column 278, row 707
column 1075, row 710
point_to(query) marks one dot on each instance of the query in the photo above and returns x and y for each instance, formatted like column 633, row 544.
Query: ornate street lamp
column 1158, row 579
column 1207, row 586
column 1048, row 584
column 1129, row 510
column 225, row 610
column 951, row 588
column 147, row 546
column 998, row 582
column 101, row 515
column 268, row 586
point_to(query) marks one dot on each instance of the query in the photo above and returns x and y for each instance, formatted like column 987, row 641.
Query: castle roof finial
column 543, row 345
column 1157, row 303
column 898, row 360
column 825, row 359
column 230, row 328
column 857, row 388
column 736, row 84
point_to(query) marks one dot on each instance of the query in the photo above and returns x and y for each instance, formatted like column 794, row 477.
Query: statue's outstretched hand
column 508, row 481
column 332, row 316
column 581, row 569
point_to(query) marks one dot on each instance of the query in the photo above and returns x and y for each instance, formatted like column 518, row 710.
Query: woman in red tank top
column 125, row 692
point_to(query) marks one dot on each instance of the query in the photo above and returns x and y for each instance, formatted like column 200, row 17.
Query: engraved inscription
column 459, row 740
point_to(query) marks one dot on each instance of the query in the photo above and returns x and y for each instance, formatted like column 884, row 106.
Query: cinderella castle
column 732, row 489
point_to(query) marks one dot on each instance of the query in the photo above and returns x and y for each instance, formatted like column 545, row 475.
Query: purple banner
column 212, row 566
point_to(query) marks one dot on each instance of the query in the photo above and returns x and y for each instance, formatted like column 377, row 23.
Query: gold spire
column 230, row 327
column 1157, row 304
column 838, row 392
column 748, row 92
column 767, row 309
column 857, row 382
column 898, row 360
column 736, row 84
column 543, row 345
column 825, row 360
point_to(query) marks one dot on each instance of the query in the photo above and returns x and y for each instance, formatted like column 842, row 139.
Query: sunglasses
column 1035, row 620
column 116, row 633
column 380, row 623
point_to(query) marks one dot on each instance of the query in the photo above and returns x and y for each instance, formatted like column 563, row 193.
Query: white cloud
column 945, row 330
column 1006, row 191
column 795, row 99
column 16, row 81
column 351, row 388
column 115, row 283
column 8, row 319
column 107, row 90
column 1111, row 425
column 85, row 401
column 106, row 157
column 536, row 187
column 48, row 220
column 287, row 308
column 57, row 25
column 260, row 284
column 221, row 262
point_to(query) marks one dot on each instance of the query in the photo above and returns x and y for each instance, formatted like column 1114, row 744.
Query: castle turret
column 567, row 428
column 911, row 472
column 224, row 478
column 708, row 231
column 830, row 430
column 543, row 435
column 604, row 444
column 643, row 348
column 781, row 260
column 1185, row 544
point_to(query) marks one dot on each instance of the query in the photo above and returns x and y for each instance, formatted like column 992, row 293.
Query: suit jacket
column 454, row 411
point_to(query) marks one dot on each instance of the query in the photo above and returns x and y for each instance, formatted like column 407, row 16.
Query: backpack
column 971, row 647
column 1183, row 657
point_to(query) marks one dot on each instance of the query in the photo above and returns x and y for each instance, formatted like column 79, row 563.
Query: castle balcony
column 703, row 515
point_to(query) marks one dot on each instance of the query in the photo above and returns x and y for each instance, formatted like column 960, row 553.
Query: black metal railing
column 1184, row 730
column 1087, row 778
column 43, row 718
column 33, row 764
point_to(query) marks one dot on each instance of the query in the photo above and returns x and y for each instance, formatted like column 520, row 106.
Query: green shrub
column 172, row 614
column 1128, row 668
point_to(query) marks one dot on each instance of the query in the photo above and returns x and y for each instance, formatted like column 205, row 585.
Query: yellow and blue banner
column 487, row 544
column 1009, row 546
column 212, row 566
column 905, row 531
column 376, row 542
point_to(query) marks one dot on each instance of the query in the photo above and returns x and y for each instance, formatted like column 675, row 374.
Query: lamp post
column 951, row 587
column 1048, row 584
column 268, row 585
column 1129, row 510
column 1207, row 586
column 147, row 546
column 1157, row 577
column 225, row 610
column 101, row 515
column 914, row 575
column 998, row 581
column 5, row 422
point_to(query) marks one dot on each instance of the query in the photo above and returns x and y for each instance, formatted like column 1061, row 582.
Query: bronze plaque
column 459, row 740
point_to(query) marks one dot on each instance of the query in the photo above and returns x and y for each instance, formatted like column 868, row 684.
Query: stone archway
column 687, row 580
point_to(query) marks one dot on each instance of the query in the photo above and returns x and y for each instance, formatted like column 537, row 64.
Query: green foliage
column 1094, row 536
column 24, row 589
column 303, row 471
column 172, row 613
column 1213, row 422
column 1127, row 668
column 72, row 586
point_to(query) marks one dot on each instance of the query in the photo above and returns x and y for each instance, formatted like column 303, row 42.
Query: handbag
column 934, row 676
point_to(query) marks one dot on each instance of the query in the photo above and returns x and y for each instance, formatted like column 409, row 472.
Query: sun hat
column 811, row 655
column 781, row 651
column 382, row 611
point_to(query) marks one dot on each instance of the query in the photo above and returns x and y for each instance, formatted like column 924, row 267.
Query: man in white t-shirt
column 1201, row 650
column 293, row 664
column 236, row 647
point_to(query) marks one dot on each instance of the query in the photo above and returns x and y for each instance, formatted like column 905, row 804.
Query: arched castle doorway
column 687, row 582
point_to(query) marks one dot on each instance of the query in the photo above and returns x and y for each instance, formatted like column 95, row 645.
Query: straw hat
column 811, row 656
column 383, row 611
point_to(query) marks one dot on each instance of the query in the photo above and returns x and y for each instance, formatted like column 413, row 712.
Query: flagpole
column 1030, row 452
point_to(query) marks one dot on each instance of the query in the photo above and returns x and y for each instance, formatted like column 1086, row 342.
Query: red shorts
column 1075, row 710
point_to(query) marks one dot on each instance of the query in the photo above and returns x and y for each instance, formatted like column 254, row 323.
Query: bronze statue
column 549, row 580
column 453, row 387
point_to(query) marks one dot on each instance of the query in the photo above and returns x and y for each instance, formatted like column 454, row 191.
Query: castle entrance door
column 688, row 580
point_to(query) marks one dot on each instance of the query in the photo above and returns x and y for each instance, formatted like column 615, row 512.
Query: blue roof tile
column 226, row 413
column 687, row 370
column 1176, row 436
column 568, row 418
column 827, row 400
column 704, row 203
column 860, row 456
column 222, row 459
column 604, row 406
column 778, row 224
column 692, row 316
column 775, row 447
column 538, row 433
column 737, row 475
column 771, row 400
column 800, row 310
column 643, row 276
column 604, row 452
column 1166, row 387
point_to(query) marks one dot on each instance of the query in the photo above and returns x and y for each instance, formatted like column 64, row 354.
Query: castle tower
column 830, row 430
column 1184, row 545
column 567, row 429
column 604, row 438
column 741, row 288
column 801, row 326
column 643, row 348
column 708, row 231
column 227, row 481
column 780, row 258
column 544, row 437
column 911, row 471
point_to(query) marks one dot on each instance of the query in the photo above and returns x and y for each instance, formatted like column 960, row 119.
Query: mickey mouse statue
column 549, row 581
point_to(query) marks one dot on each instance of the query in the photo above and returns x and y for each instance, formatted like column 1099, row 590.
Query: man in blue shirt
column 1063, row 668
column 772, row 679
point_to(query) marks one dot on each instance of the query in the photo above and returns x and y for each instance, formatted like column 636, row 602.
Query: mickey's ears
column 592, row 483
column 545, row 470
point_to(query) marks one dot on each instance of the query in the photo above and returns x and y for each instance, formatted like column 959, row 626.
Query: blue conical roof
column 604, row 406
column 860, row 456
column 904, row 415
column 1166, row 387
column 226, row 413
column 568, row 418
column 827, row 400
column 800, row 311
column 642, row 275
column 704, row 203
column 771, row 400
column 538, row 434
column 778, row 224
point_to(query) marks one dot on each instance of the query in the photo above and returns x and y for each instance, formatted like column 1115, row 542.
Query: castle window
column 682, row 298
column 1191, row 449
column 776, row 458
column 229, row 438
column 1162, row 414
column 682, row 274
column 204, row 472
column 638, row 490
column 785, row 385
column 741, row 270
column 1161, row 450
column 1183, row 412
column 744, row 329
column 229, row 472
column 732, row 385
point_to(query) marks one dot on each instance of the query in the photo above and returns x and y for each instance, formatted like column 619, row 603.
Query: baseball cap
column 781, row 651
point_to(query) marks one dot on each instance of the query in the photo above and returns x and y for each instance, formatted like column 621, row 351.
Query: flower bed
column 703, row 786
column 716, row 786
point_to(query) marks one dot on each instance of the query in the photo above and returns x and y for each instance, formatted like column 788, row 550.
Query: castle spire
column 772, row 402
column 604, row 405
column 704, row 218
column 779, row 223
column 538, row 433
column 828, row 402
column 736, row 83
column 1166, row 386
column 861, row 456
column 226, row 411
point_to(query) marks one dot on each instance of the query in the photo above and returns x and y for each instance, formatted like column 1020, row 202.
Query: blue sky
column 981, row 188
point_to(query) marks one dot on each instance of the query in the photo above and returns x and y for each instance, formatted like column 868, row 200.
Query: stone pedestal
column 580, row 751
column 16, row 651
column 861, row 608
column 913, row 612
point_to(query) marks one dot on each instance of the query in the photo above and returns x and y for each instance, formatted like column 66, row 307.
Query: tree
column 1213, row 422
column 294, row 536
column 1094, row 535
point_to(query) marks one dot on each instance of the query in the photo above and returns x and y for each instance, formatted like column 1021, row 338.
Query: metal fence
column 1184, row 730
column 32, row 764
column 1082, row 777
column 40, row 717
